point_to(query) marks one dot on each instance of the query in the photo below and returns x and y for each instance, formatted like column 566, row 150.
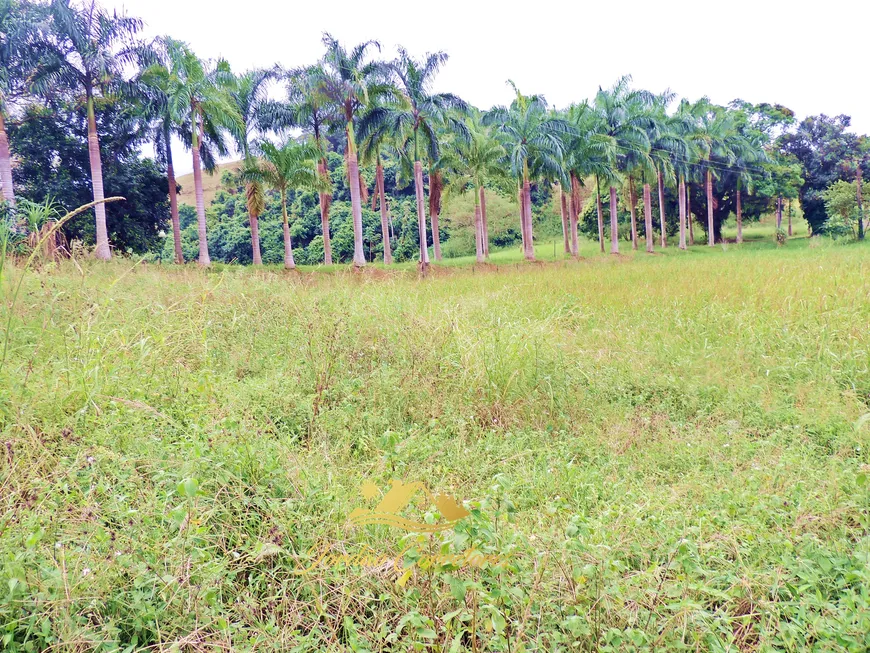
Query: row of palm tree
column 370, row 109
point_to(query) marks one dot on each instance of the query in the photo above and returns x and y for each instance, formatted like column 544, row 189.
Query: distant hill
column 210, row 184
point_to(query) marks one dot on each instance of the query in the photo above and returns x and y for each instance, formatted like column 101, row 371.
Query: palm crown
column 531, row 135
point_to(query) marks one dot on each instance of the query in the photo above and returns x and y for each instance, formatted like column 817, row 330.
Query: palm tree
column 748, row 151
column 198, row 98
column 471, row 162
column 533, row 140
column 684, row 125
column 292, row 166
column 248, row 95
column 623, row 114
column 564, row 211
column 18, row 29
column 152, row 88
column 155, row 111
column 350, row 83
column 670, row 150
column 370, row 150
column 436, row 188
column 87, row 51
column 667, row 146
column 418, row 113
column 308, row 108
column 587, row 152
column 723, row 146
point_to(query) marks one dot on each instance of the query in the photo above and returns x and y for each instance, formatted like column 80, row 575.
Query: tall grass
column 667, row 451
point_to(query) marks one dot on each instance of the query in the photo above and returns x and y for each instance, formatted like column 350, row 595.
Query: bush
column 781, row 236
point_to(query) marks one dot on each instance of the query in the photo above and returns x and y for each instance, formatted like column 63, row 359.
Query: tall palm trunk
column 353, row 181
column 632, row 209
column 484, row 222
column 647, row 217
column 789, row 218
column 682, row 202
column 252, row 191
column 739, row 214
column 522, row 201
column 563, row 210
column 574, row 214
column 289, row 263
column 478, row 228
column 385, row 227
column 5, row 164
column 600, row 210
column 197, row 186
column 325, row 201
column 662, row 209
column 859, row 182
column 527, row 218
column 779, row 212
column 689, row 214
column 711, row 238
column 614, row 225
column 103, row 251
column 421, row 214
column 173, row 197
column 435, row 183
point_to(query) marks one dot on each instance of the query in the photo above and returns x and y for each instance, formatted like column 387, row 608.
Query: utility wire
column 711, row 164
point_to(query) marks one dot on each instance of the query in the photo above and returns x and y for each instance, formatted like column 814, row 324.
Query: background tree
column 52, row 164
column 198, row 98
column 533, row 141
column 19, row 23
column 472, row 161
column 152, row 88
column 308, row 108
column 759, row 126
column 350, row 82
column 842, row 208
column 623, row 115
column 86, row 51
column 722, row 145
column 155, row 110
column 684, row 124
column 376, row 140
column 589, row 153
column 415, row 116
column 667, row 146
column 248, row 94
column 292, row 166
column 826, row 153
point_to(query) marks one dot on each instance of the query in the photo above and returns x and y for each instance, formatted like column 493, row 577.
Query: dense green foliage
column 827, row 154
column 229, row 233
column 655, row 453
column 52, row 164
column 668, row 454
column 63, row 62
column 841, row 206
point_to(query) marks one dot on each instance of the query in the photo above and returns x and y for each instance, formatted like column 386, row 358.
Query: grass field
column 661, row 452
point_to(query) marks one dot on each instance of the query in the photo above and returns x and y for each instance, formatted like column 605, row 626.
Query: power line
column 711, row 164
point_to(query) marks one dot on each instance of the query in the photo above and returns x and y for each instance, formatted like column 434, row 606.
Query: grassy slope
column 664, row 448
column 210, row 184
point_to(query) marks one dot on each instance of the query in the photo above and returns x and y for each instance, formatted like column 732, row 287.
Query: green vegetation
column 665, row 449
column 85, row 75
column 665, row 453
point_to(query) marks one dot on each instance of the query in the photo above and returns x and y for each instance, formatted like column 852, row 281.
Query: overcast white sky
column 810, row 56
